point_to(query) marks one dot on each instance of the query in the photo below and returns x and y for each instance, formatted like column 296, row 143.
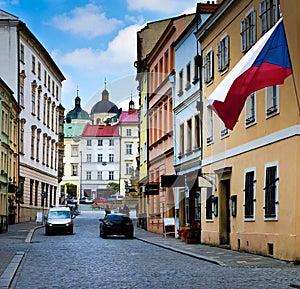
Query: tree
column 112, row 188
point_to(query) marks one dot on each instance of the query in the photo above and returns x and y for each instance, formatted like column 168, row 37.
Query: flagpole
column 297, row 97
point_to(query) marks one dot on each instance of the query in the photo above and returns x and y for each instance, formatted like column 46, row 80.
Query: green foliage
column 112, row 188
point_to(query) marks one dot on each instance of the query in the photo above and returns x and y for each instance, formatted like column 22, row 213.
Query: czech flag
column 267, row 63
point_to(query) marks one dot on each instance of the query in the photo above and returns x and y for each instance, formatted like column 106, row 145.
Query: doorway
column 224, row 212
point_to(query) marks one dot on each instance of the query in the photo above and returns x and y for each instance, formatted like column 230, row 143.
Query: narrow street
column 84, row 260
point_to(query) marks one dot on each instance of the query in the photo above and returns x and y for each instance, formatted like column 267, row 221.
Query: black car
column 116, row 225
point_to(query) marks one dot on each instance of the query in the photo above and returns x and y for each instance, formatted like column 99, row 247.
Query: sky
column 93, row 42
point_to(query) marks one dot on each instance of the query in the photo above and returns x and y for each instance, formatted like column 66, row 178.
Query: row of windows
column 271, row 109
column 50, row 111
column 268, row 15
column 160, row 121
column 99, row 176
column 49, row 146
column 36, row 189
column 162, row 69
column 184, row 77
column 100, row 142
column 189, row 136
column 36, row 69
column 270, row 195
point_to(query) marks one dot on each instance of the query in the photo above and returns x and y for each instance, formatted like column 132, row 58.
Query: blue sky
column 94, row 40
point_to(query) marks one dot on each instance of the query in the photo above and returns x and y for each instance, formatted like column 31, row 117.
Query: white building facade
column 36, row 81
column 129, row 147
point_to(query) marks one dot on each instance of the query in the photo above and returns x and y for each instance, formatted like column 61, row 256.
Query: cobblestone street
column 84, row 260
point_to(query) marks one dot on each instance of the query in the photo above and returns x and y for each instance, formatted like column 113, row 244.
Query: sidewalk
column 22, row 233
column 10, row 256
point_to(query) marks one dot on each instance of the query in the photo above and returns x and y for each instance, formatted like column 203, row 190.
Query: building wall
column 34, row 128
column 95, row 186
column 269, row 141
column 161, row 63
column 125, row 158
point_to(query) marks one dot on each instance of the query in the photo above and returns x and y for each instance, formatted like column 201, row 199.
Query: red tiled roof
column 129, row 116
column 100, row 130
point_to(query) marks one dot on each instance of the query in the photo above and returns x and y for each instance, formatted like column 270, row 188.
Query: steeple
column 131, row 103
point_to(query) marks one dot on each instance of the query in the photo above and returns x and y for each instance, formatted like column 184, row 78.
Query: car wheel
column 129, row 236
column 47, row 232
column 103, row 235
column 71, row 231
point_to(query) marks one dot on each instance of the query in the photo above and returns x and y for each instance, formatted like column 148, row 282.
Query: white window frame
column 268, row 165
column 248, row 170
column 268, row 14
column 209, row 126
column 223, row 53
column 250, row 110
column 208, row 64
column 272, row 100
column 248, row 30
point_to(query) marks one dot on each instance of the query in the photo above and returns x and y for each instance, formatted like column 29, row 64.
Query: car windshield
column 59, row 215
column 117, row 218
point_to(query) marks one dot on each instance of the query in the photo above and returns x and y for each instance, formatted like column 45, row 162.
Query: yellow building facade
column 254, row 202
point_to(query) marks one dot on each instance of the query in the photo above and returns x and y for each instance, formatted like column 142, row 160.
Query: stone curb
column 187, row 253
column 11, row 270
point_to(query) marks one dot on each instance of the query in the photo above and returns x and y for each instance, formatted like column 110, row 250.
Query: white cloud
column 119, row 55
column 165, row 6
column 88, row 22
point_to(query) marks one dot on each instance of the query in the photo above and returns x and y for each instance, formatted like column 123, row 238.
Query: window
column 100, row 142
column 272, row 100
column 128, row 149
column 208, row 67
column 111, row 142
column 128, row 132
column 89, row 175
column 88, row 142
column 271, row 201
column 189, row 136
column 111, row 158
column 181, row 140
column 248, row 31
column 100, row 158
column 33, row 64
column 210, row 126
column 39, row 70
column 111, row 175
column 223, row 54
column 33, row 88
column 145, row 151
column 197, row 131
column 21, row 95
column 74, row 170
column 128, row 168
column 197, row 60
column 249, row 194
column 188, row 76
column 22, row 53
column 251, row 109
column 89, row 158
column 33, row 130
column 208, row 205
column 99, row 175
column 180, row 83
column 268, row 14
column 74, row 151
column 224, row 130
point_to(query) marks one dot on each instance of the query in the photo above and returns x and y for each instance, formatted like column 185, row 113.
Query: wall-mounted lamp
column 215, row 205
column 233, row 205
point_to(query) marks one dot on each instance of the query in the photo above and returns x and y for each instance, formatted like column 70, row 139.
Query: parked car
column 72, row 200
column 59, row 219
column 86, row 200
column 100, row 200
column 115, row 198
column 116, row 225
